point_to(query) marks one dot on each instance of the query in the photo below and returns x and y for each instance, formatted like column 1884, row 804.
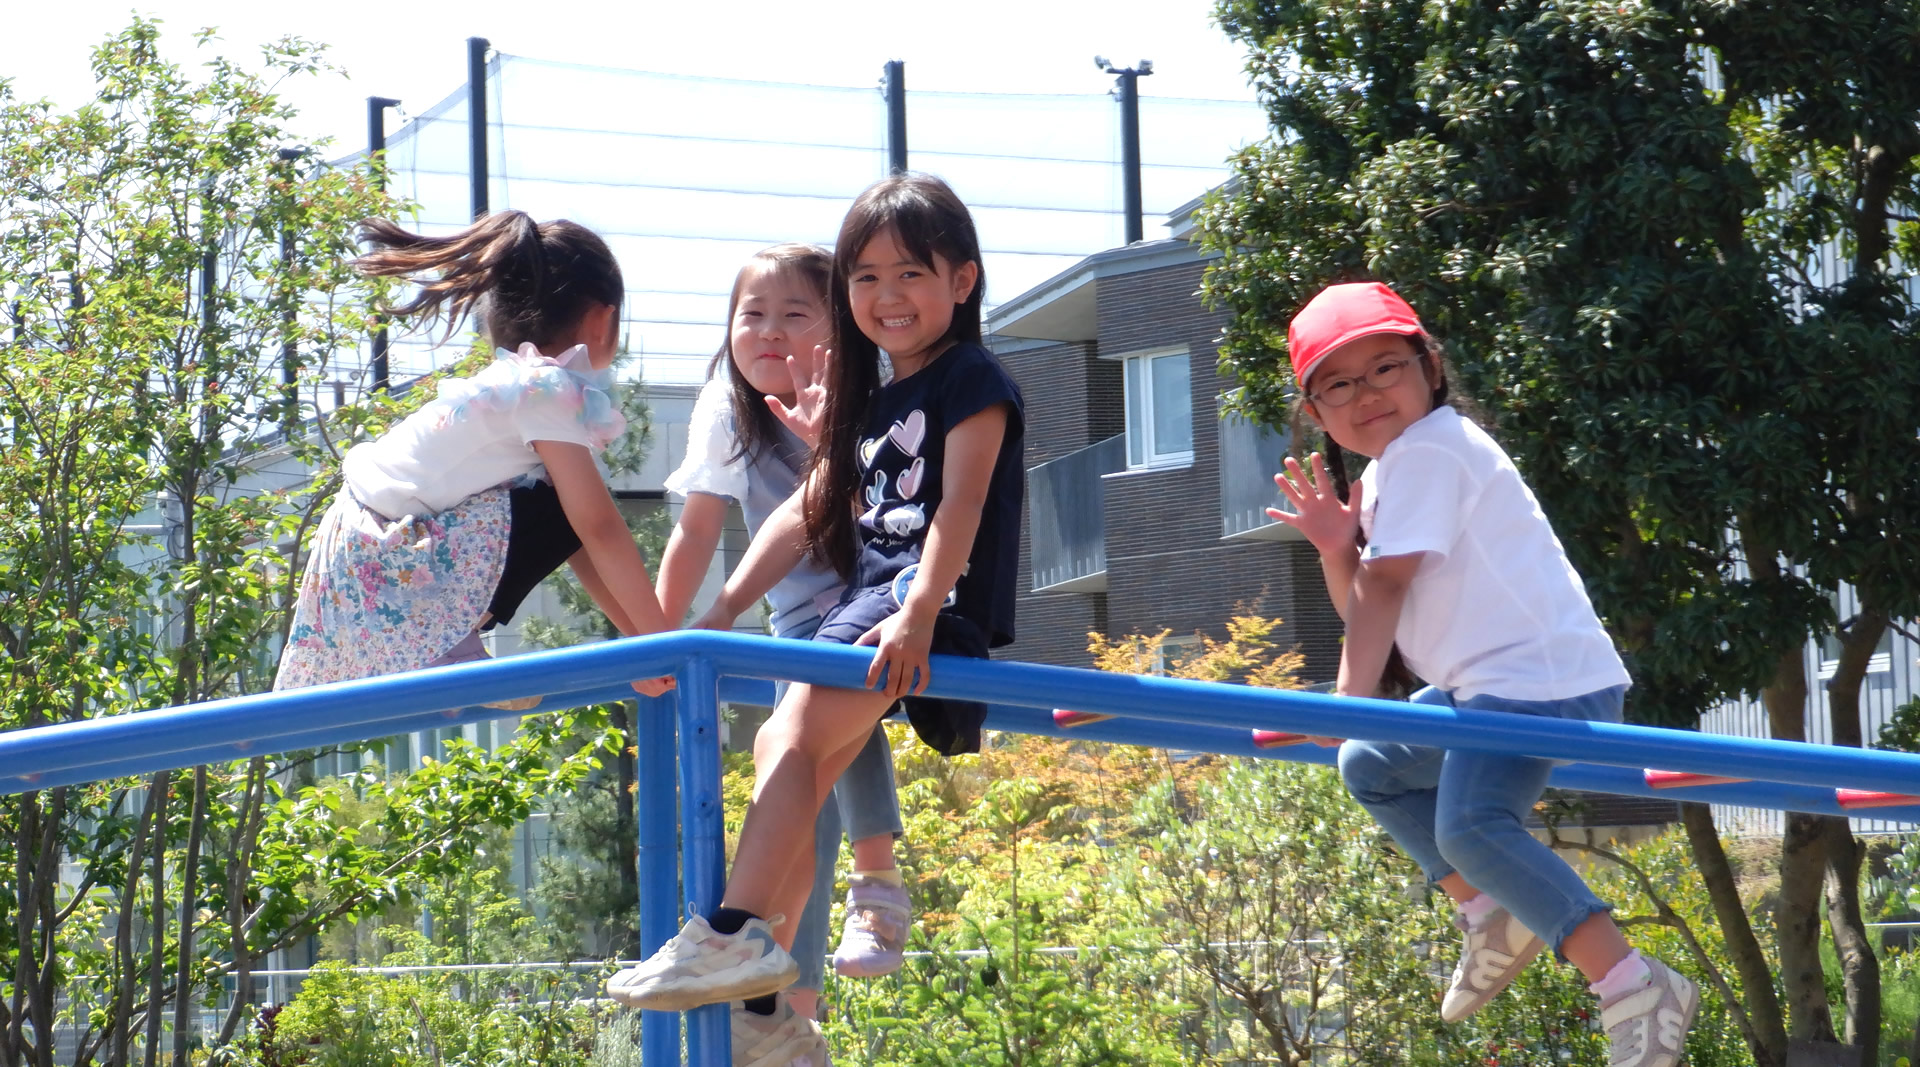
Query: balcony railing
column 1065, row 498
column 1250, row 455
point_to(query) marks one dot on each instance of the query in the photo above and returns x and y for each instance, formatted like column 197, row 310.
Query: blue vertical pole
column 702, row 836
column 658, row 826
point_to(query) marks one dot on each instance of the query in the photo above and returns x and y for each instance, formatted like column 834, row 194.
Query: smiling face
column 1373, row 417
column 902, row 305
column 775, row 315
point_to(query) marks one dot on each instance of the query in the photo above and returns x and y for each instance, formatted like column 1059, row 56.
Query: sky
column 416, row 51
column 679, row 246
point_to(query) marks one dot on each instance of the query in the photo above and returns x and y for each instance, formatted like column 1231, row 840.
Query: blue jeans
column 1459, row 810
column 865, row 803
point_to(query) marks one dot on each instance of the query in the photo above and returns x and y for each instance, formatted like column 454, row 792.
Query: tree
column 1615, row 255
column 155, row 326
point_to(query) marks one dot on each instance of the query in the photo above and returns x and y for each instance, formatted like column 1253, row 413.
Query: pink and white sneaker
column 702, row 966
column 874, row 939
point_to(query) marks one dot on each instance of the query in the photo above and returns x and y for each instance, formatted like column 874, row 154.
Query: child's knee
column 1364, row 770
column 1465, row 836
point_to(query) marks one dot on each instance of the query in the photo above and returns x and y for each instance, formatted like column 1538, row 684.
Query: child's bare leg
column 874, row 853
column 1457, row 888
column 798, row 885
column 1595, row 946
column 800, row 752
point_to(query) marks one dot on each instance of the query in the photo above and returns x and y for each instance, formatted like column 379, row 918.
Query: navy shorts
column 949, row 727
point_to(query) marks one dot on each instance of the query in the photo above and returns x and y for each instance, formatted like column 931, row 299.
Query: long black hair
column 754, row 423
column 928, row 220
column 526, row 281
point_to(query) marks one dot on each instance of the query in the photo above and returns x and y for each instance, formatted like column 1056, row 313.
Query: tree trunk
column 1765, row 1035
column 120, row 1008
column 239, row 872
column 1859, row 967
column 627, row 944
column 1803, row 844
column 184, row 983
column 157, row 968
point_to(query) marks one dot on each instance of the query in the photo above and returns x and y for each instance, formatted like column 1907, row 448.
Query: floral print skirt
column 381, row 595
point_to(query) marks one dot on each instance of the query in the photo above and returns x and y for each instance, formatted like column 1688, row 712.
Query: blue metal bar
column 703, row 857
column 658, row 827
column 156, row 740
column 736, row 690
column 1587, row 777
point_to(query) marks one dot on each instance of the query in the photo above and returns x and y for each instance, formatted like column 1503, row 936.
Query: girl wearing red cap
column 1443, row 553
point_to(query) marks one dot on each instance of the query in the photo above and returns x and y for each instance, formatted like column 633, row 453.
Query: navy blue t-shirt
column 902, row 458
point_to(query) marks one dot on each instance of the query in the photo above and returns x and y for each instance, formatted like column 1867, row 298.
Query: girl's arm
column 905, row 637
column 626, row 594
column 774, row 553
column 1331, row 526
column 596, row 587
column 1378, row 592
column 689, row 551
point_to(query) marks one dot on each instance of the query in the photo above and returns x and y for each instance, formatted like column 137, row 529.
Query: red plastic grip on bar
column 1866, row 798
column 1276, row 739
column 1064, row 718
column 1676, row 779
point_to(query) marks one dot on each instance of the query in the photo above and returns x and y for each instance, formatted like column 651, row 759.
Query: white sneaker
column 1648, row 1027
column 701, row 966
column 783, row 1039
column 1498, row 949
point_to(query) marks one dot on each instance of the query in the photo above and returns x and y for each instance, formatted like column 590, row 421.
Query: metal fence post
column 658, row 827
column 702, row 835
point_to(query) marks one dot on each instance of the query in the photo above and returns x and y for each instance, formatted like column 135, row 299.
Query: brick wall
column 1072, row 401
column 1167, row 567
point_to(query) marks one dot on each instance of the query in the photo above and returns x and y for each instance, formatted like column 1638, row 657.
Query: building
column 1145, row 499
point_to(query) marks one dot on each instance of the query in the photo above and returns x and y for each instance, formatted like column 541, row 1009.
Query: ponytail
column 528, row 282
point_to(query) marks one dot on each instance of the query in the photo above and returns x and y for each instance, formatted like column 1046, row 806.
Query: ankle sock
column 1629, row 974
column 1478, row 908
column 890, row 876
column 762, row 1005
column 725, row 920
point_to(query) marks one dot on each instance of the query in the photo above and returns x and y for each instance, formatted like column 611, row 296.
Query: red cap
column 1342, row 313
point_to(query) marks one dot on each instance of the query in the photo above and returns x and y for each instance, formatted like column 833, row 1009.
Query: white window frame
column 1136, row 373
column 1880, row 662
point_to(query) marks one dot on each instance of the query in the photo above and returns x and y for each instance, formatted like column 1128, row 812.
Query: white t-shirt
column 1495, row 607
column 759, row 484
column 478, row 433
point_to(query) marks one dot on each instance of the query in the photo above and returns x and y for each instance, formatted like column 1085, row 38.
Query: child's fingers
column 877, row 669
column 1284, row 482
column 1321, row 479
column 1287, row 517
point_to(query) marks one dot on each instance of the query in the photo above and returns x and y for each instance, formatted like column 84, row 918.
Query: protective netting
column 687, row 176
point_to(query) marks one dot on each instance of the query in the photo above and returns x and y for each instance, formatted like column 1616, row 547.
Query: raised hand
column 809, row 410
column 1319, row 515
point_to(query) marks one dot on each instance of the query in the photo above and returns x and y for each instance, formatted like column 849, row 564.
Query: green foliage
column 347, row 1018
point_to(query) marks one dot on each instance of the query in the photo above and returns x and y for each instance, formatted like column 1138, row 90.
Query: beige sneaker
column 702, row 966
column 1648, row 1027
column 783, row 1039
column 1498, row 949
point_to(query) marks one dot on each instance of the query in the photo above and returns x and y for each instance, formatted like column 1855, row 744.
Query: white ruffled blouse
column 479, row 432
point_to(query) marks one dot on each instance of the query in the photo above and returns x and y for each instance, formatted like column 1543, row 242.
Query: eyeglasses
column 1341, row 391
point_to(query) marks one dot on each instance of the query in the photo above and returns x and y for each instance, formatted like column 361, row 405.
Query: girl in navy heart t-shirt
column 913, row 495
